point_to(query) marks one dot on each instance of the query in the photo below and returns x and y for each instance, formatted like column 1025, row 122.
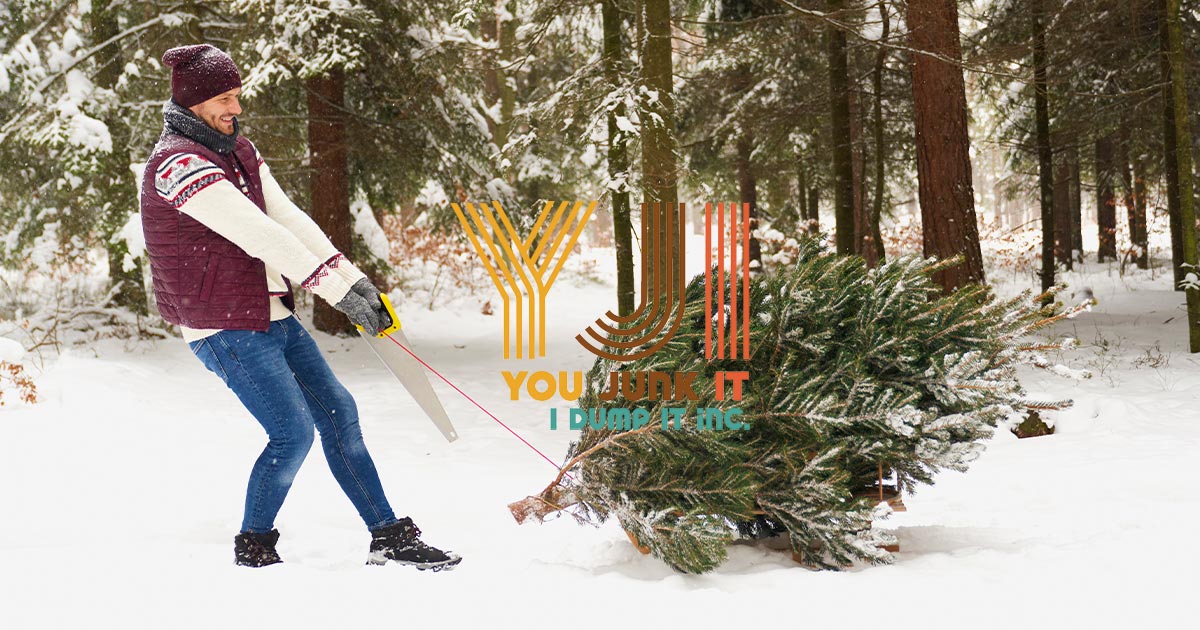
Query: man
column 223, row 239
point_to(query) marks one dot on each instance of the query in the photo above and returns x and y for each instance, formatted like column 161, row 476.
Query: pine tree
column 1102, row 79
column 853, row 370
column 659, row 177
column 76, row 119
column 318, row 43
column 1183, row 162
column 839, row 133
column 948, row 222
column 364, row 101
column 614, row 59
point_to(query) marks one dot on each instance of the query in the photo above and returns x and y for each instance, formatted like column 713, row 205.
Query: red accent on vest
column 201, row 279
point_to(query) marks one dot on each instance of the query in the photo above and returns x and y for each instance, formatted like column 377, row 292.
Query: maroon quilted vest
column 201, row 279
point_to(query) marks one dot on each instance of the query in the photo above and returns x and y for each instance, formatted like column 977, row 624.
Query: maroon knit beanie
column 199, row 73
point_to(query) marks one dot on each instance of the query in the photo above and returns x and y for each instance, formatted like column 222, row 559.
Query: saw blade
column 411, row 375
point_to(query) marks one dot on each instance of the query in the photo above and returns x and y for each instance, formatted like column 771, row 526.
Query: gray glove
column 368, row 291
column 360, row 312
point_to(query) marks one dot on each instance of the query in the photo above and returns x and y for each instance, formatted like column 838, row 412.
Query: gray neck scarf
column 180, row 120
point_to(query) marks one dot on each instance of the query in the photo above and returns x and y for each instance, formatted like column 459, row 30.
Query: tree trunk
column 1041, row 107
column 488, row 32
column 658, row 117
column 1183, row 158
column 1062, row 220
column 748, row 193
column 877, row 115
column 943, row 163
column 1106, row 201
column 1126, row 171
column 618, row 161
column 1137, row 221
column 328, row 183
column 813, row 221
column 809, row 192
column 863, row 246
column 1170, row 162
column 839, row 109
column 1076, row 204
column 508, row 95
column 115, row 182
column 658, row 140
column 802, row 193
column 778, row 193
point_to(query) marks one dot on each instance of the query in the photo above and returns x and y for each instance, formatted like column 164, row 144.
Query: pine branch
column 17, row 119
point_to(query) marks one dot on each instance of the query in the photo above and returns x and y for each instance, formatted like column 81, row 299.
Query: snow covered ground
column 120, row 493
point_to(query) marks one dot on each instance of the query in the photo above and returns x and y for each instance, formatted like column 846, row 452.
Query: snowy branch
column 13, row 122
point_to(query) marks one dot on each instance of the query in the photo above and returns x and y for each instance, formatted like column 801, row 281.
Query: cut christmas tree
column 863, row 383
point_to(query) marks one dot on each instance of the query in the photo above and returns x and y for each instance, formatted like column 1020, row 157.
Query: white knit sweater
column 286, row 239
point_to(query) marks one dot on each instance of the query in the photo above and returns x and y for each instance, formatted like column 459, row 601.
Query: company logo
column 524, row 268
column 664, row 278
column 662, row 291
column 535, row 259
column 735, row 310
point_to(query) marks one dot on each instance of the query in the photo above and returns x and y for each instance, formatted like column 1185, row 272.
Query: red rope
column 490, row 414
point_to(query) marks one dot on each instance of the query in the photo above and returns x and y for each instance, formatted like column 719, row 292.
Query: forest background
column 1037, row 126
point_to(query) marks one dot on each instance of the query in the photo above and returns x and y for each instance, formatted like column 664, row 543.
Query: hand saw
column 390, row 346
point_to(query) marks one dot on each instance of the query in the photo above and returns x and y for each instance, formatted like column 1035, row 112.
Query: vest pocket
column 210, row 277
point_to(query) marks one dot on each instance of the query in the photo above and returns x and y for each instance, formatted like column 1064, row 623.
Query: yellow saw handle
column 391, row 311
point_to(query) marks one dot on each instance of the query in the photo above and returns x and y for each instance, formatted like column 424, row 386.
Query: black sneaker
column 401, row 542
column 256, row 550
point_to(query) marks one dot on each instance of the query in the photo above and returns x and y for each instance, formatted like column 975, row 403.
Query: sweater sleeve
column 281, row 209
column 199, row 189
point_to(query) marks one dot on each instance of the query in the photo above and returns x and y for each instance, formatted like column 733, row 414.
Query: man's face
column 218, row 111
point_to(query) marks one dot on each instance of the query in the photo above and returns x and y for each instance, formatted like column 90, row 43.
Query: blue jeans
column 285, row 383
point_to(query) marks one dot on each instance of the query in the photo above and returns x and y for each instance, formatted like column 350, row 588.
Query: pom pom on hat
column 199, row 73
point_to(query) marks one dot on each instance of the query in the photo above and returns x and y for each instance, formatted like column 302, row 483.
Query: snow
column 498, row 189
column 589, row 157
column 82, row 130
column 424, row 38
column 11, row 351
column 369, row 230
column 1190, row 281
column 26, row 52
column 432, row 195
column 122, row 490
column 72, row 41
column 134, row 239
column 624, row 125
column 872, row 28
column 618, row 183
column 45, row 245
